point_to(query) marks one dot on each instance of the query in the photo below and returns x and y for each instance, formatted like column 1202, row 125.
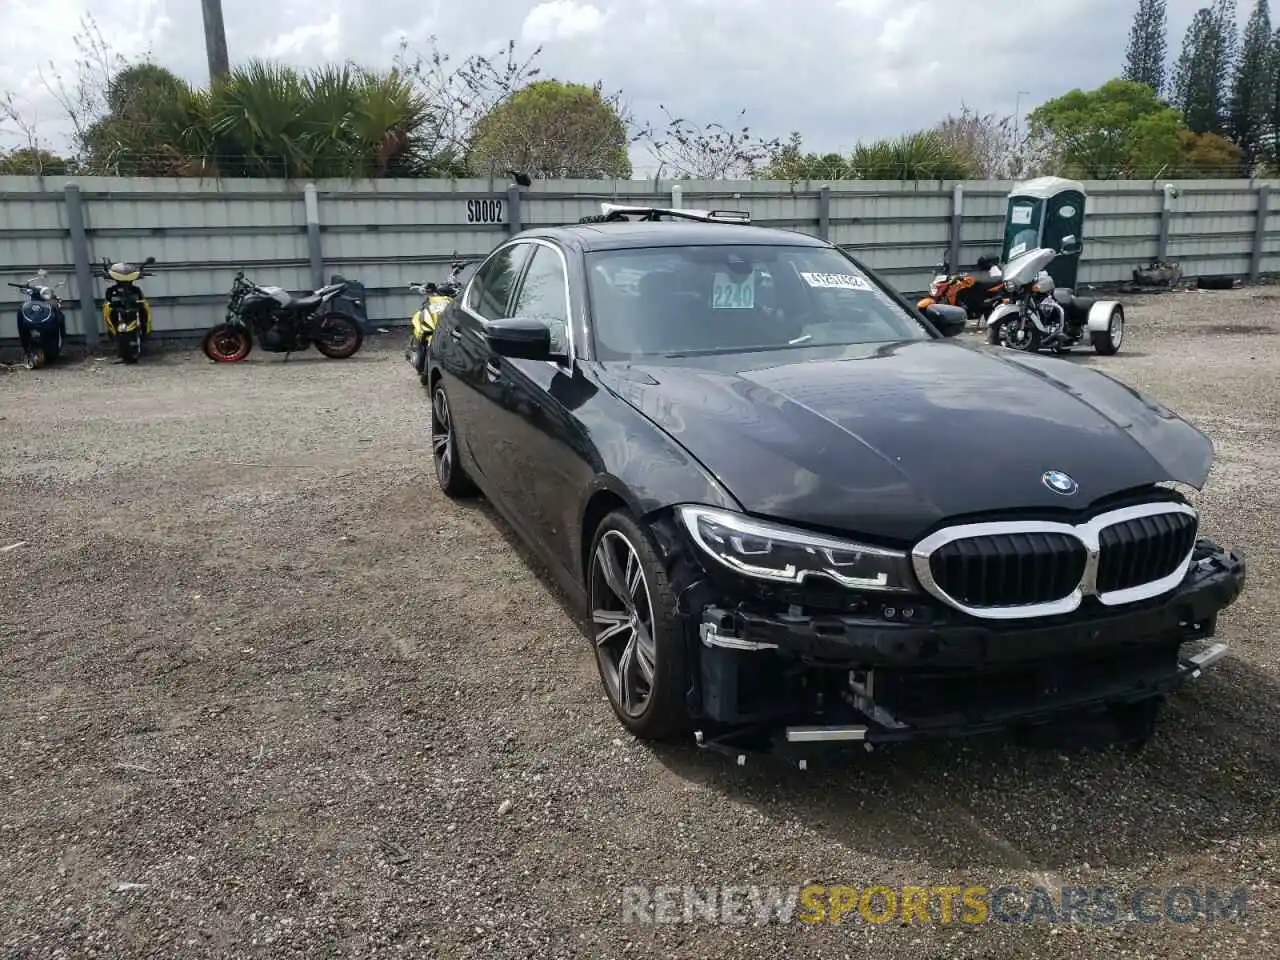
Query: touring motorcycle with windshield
column 435, row 298
column 126, row 312
column 42, row 326
column 1035, row 314
column 282, row 323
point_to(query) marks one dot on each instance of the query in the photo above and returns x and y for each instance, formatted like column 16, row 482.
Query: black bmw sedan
column 793, row 509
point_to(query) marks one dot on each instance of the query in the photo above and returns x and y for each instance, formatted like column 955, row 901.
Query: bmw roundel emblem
column 1059, row 482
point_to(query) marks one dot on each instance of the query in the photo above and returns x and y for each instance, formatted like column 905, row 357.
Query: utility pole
column 215, row 39
column 1017, row 115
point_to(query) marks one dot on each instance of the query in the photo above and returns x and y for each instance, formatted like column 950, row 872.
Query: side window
column 542, row 295
column 491, row 290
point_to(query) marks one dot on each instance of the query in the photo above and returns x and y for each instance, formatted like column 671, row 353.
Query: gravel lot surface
column 264, row 692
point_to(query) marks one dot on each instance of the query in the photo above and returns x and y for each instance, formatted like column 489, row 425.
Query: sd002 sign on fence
column 486, row 211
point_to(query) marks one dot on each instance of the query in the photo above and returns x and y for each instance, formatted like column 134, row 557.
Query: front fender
column 1000, row 313
column 1100, row 313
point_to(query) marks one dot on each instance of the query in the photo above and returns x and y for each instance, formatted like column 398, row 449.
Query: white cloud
column 557, row 20
column 836, row 70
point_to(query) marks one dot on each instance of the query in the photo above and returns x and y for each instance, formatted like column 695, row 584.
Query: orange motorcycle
column 978, row 293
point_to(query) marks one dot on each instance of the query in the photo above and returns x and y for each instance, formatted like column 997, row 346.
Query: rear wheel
column 1107, row 342
column 639, row 638
column 227, row 343
column 339, row 337
column 450, row 473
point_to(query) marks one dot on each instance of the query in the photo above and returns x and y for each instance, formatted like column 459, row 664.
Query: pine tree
column 1251, row 92
column 1203, row 70
column 1273, row 128
column 1144, row 60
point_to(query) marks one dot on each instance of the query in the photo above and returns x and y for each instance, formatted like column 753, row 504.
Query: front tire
column 450, row 473
column 227, row 343
column 639, row 638
column 420, row 361
column 340, row 337
column 128, row 347
column 1107, row 342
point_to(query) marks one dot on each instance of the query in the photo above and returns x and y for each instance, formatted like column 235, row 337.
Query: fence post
column 677, row 197
column 513, row 209
column 824, row 213
column 957, row 223
column 1260, row 231
column 84, row 271
column 1166, row 217
column 315, row 253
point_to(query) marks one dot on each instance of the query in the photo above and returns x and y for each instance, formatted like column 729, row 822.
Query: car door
column 541, row 442
column 472, row 392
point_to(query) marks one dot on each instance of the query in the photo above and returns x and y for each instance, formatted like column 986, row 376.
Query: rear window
column 667, row 301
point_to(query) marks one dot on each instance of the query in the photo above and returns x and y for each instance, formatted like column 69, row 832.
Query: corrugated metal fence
column 388, row 233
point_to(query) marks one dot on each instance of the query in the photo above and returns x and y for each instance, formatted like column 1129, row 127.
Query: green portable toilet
column 1042, row 213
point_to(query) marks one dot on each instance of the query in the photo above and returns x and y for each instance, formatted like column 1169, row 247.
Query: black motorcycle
column 125, row 309
column 283, row 323
column 42, row 326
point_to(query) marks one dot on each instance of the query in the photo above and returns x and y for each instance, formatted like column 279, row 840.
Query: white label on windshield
column 729, row 294
column 1021, row 215
column 1014, row 251
column 836, row 281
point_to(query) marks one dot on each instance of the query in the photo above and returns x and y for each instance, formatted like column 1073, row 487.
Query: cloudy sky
column 836, row 70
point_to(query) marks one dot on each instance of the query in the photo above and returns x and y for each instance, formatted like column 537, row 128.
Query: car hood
column 888, row 439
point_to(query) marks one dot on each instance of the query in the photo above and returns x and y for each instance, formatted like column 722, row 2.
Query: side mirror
column 950, row 321
column 522, row 339
column 149, row 261
column 1070, row 246
column 42, row 273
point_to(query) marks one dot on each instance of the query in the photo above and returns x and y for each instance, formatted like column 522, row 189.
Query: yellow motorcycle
column 435, row 298
column 126, row 312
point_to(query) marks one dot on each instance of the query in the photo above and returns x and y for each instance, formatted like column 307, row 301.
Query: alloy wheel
column 1117, row 329
column 623, row 615
column 442, row 450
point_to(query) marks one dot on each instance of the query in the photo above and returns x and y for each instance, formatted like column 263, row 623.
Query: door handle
column 455, row 333
column 492, row 372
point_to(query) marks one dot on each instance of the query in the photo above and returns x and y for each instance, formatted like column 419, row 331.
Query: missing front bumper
column 791, row 679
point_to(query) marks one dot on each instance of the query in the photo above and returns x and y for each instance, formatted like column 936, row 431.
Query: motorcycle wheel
column 34, row 359
column 128, row 347
column 227, row 343
column 1028, row 340
column 342, row 337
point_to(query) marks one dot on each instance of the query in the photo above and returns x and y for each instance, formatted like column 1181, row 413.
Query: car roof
column 622, row 235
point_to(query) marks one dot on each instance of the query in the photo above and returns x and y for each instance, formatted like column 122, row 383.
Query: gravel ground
column 264, row 692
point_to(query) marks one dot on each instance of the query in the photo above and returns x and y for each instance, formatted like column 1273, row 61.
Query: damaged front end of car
column 801, row 643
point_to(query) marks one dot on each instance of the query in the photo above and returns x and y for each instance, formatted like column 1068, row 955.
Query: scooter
column 435, row 298
column 42, row 326
column 126, row 312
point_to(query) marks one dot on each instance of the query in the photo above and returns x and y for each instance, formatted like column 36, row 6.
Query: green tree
column 1203, row 71
column 1207, row 155
column 924, row 155
column 791, row 162
column 553, row 129
column 1122, row 129
column 1251, row 105
column 34, row 162
column 987, row 144
column 1144, row 60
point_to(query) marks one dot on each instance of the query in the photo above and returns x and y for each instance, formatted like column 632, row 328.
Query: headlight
column 769, row 551
column 435, row 306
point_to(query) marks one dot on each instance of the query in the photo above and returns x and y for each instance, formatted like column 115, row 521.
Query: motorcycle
column 42, row 326
column 977, row 293
column 1035, row 314
column 435, row 298
column 125, row 309
column 282, row 323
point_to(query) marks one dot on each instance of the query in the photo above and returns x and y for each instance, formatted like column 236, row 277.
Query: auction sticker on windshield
column 836, row 281
column 730, row 294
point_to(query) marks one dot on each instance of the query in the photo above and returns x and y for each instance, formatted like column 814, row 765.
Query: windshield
column 665, row 301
